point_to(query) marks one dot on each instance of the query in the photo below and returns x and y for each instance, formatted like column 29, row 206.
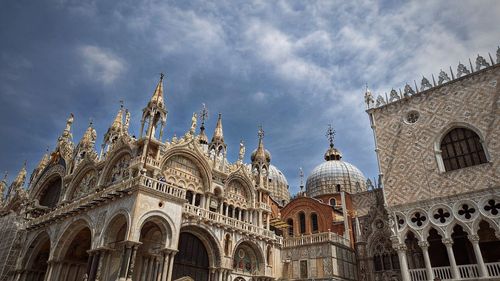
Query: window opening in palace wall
column 462, row 148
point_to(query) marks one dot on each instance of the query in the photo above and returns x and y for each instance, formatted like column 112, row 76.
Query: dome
column 334, row 176
column 267, row 153
column 278, row 185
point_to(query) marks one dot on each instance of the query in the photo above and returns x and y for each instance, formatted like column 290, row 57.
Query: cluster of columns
column 219, row 274
column 448, row 242
column 257, row 217
column 158, row 267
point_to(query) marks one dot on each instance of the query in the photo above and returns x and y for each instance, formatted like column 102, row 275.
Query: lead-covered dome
column 278, row 185
column 334, row 175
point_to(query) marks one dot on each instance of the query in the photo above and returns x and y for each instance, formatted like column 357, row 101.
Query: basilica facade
column 147, row 208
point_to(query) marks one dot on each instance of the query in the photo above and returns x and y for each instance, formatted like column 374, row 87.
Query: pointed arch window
column 314, row 222
column 460, row 148
column 302, row 222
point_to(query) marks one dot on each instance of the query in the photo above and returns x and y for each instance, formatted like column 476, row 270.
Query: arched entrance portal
column 36, row 259
column 73, row 253
column 192, row 258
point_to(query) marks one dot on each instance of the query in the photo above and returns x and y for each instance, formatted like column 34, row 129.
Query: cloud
column 101, row 65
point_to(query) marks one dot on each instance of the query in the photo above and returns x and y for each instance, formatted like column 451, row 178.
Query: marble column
column 171, row 265
column 144, row 268
column 483, row 271
column 401, row 249
column 448, row 242
column 131, row 266
column 424, row 245
column 127, row 249
column 93, row 266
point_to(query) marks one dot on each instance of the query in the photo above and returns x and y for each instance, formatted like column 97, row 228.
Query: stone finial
column 443, row 77
column 393, row 96
column 425, row 84
column 380, row 101
column 462, row 70
column 369, row 98
column 408, row 91
column 241, row 153
column 481, row 62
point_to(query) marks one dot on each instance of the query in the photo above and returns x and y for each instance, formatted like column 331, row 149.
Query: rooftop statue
column 394, row 96
column 462, row 70
column 425, row 84
column 408, row 91
column 380, row 101
column 480, row 61
column 443, row 77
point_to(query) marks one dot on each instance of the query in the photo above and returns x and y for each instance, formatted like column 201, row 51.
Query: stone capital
column 474, row 238
column 423, row 244
column 447, row 241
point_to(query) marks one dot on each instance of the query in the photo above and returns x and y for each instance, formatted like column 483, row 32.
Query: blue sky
column 292, row 66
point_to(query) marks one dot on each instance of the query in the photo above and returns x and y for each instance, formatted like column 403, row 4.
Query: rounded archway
column 114, row 235
column 192, row 259
column 49, row 196
column 154, row 236
column 35, row 261
column 74, row 254
column 248, row 259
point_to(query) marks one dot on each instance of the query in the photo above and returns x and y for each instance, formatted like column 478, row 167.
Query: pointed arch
column 113, row 158
column 82, row 171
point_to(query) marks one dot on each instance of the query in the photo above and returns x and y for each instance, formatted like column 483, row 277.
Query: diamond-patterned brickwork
column 407, row 151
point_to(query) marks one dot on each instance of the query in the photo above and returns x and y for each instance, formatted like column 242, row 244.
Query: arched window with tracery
column 314, row 222
column 302, row 222
column 461, row 148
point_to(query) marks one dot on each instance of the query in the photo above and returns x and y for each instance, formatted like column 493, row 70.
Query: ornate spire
column 332, row 153
column 115, row 130
column 203, row 139
column 64, row 142
column 261, row 154
column 301, row 176
column 157, row 98
column 155, row 112
column 217, row 142
column 86, row 145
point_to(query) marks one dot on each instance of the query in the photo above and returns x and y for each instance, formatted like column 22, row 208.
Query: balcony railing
column 162, row 187
column 101, row 196
column 315, row 238
column 149, row 161
column 466, row 271
column 263, row 206
column 214, row 217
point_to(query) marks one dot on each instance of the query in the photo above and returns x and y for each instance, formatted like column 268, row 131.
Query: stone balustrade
column 216, row 218
column 466, row 271
column 162, row 186
column 263, row 206
column 106, row 194
column 315, row 238
column 149, row 161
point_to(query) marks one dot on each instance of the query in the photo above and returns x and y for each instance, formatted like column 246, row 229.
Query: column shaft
column 401, row 249
column 483, row 271
column 451, row 256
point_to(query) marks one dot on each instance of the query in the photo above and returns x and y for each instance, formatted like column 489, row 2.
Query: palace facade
column 152, row 209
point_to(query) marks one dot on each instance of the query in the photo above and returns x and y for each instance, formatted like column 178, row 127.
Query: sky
column 291, row 66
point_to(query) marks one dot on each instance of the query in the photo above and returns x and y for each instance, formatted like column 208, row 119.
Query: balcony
column 467, row 272
column 100, row 197
column 263, row 206
column 216, row 218
column 162, row 187
column 315, row 238
column 153, row 163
